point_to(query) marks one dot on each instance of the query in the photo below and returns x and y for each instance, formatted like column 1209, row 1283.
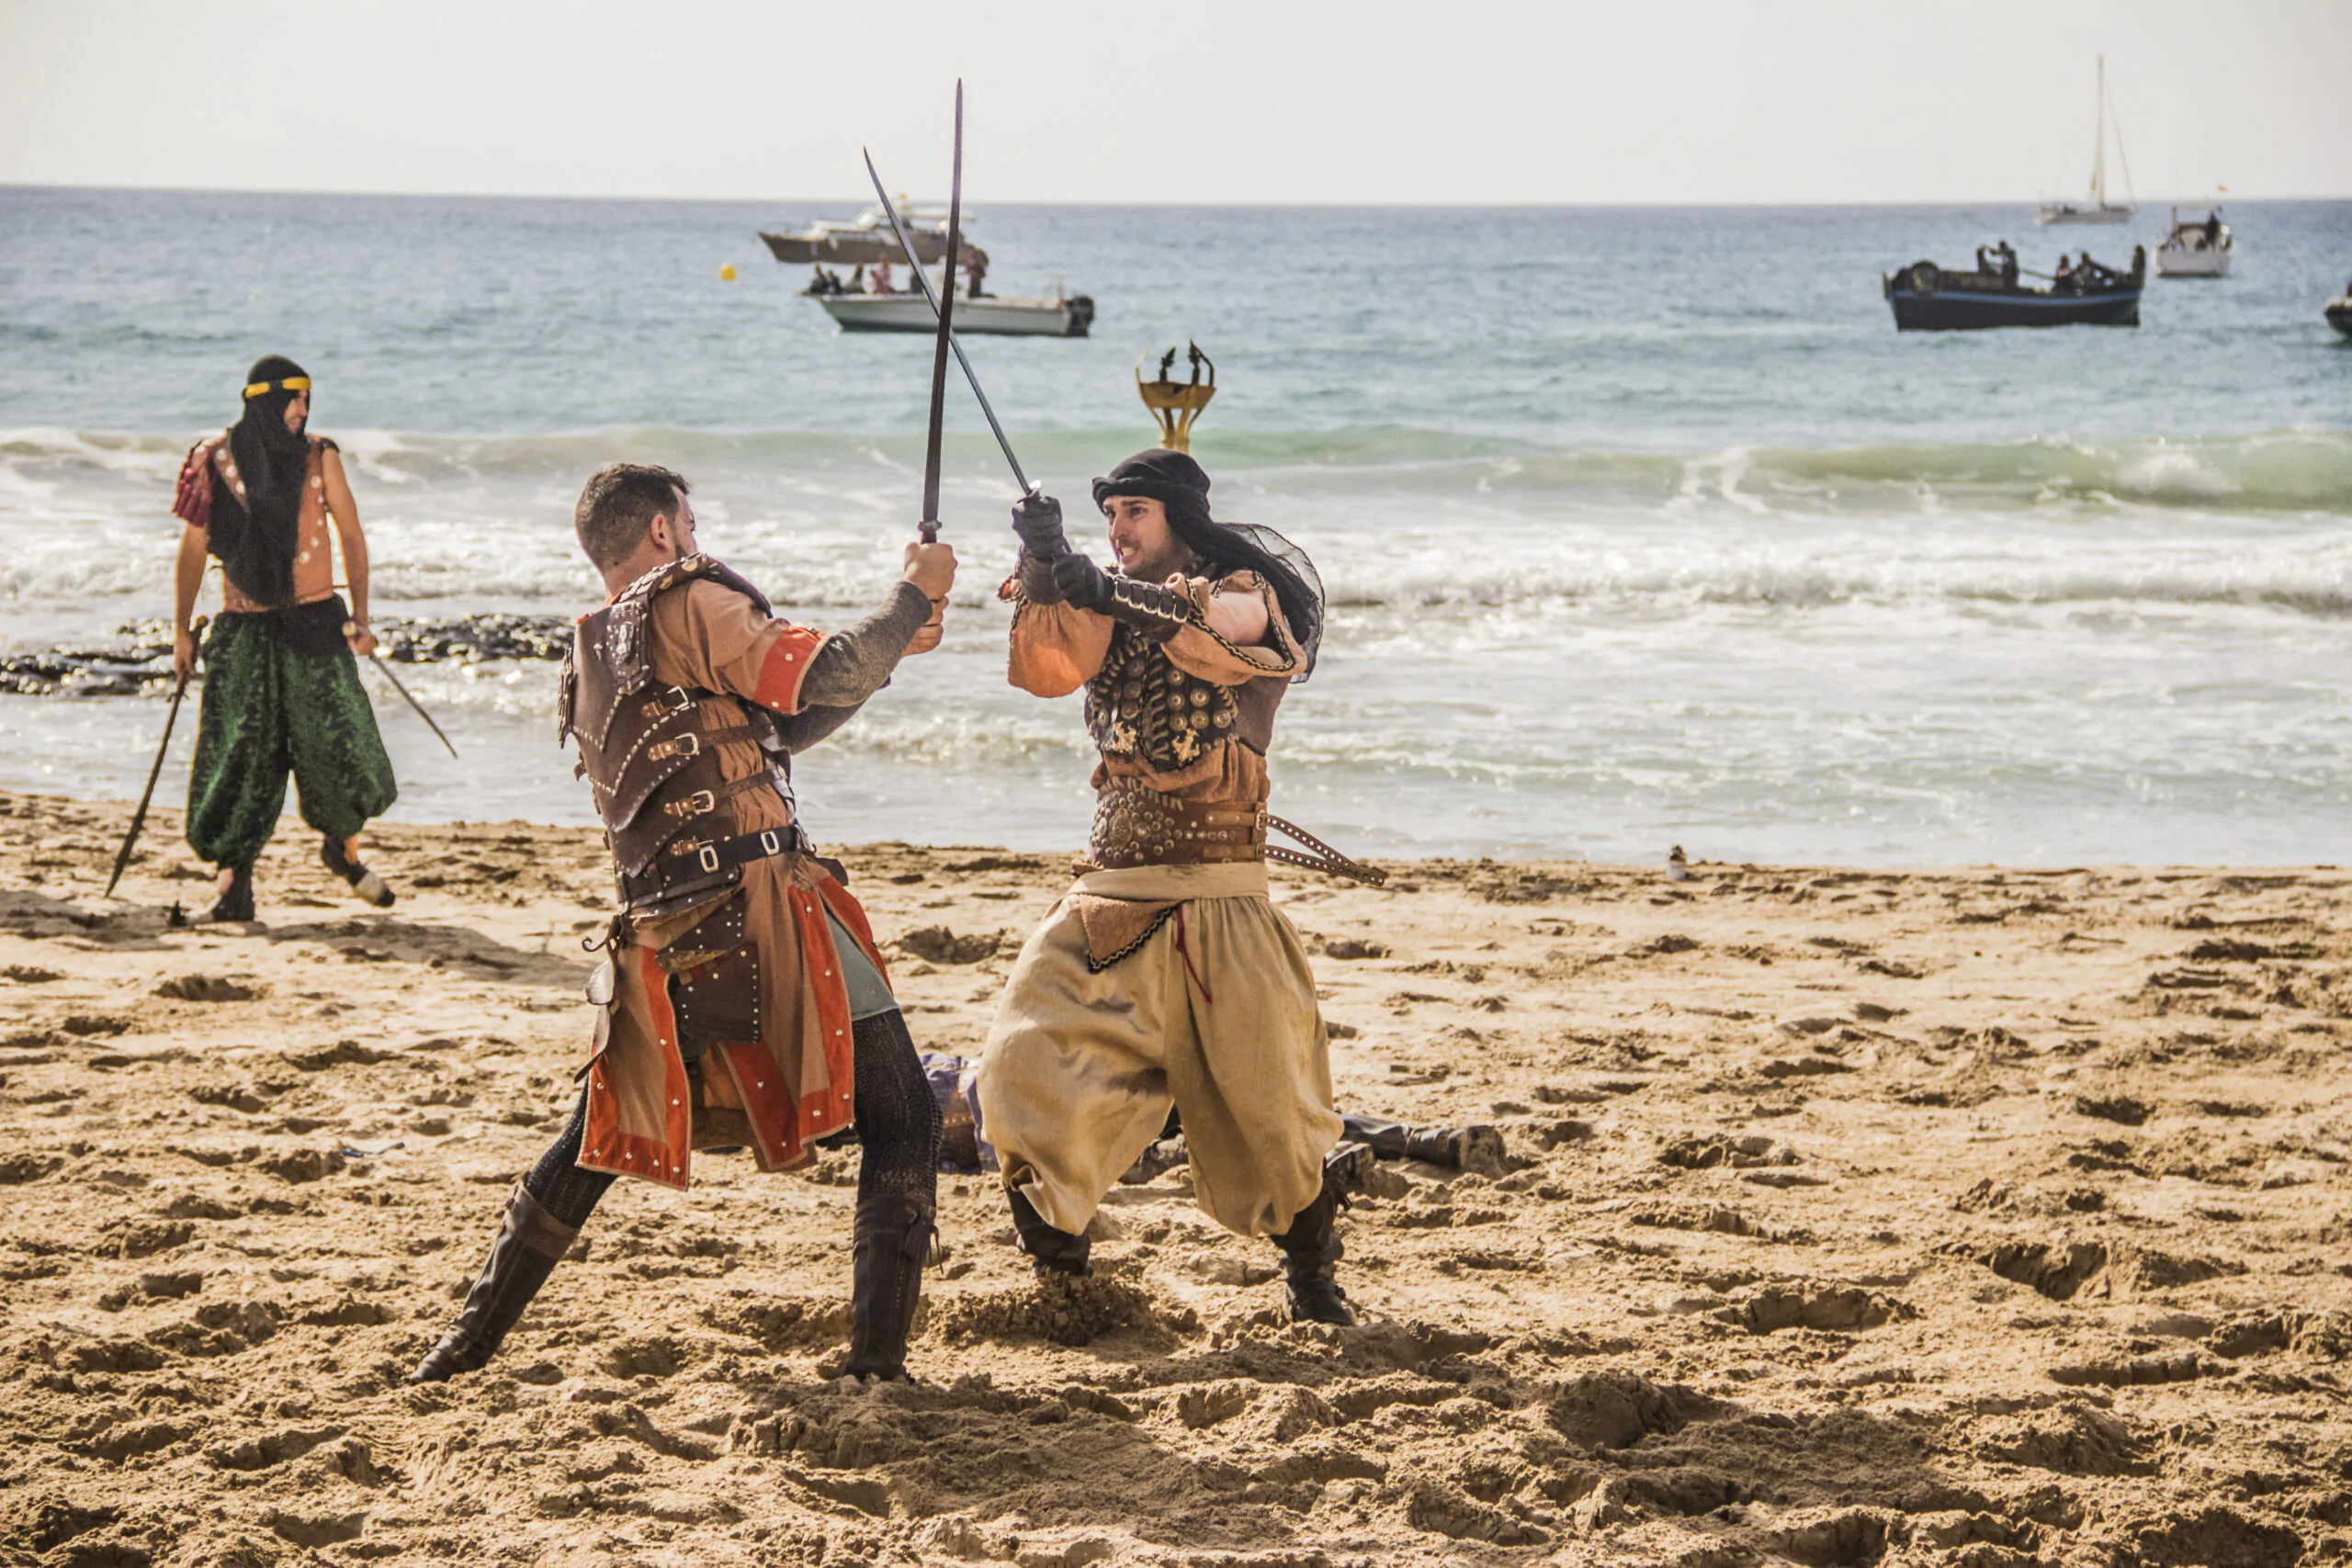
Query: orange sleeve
column 1056, row 649
column 709, row 636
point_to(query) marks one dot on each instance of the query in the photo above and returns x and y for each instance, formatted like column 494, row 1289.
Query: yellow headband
column 291, row 384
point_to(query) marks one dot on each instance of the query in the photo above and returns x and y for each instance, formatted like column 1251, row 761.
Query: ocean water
column 1642, row 527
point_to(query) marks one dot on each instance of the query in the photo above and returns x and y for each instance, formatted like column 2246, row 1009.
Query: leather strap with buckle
column 692, row 861
column 703, row 802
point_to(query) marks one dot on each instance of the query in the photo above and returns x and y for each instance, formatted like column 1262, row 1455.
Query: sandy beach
column 1975, row 1217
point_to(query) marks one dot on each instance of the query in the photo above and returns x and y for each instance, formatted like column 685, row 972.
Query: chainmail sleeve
column 853, row 665
column 850, row 666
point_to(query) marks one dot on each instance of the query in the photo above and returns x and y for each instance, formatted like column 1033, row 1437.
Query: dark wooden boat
column 1928, row 298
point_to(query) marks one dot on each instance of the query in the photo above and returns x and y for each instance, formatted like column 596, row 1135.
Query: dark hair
column 256, row 536
column 619, row 503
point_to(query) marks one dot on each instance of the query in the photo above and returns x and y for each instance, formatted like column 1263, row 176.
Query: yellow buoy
column 727, row 273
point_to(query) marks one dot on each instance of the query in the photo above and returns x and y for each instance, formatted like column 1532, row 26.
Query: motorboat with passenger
column 870, row 299
column 1928, row 297
column 2339, row 311
column 2196, row 247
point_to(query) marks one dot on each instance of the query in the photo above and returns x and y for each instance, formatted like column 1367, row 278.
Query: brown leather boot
column 892, row 1240
column 529, row 1244
column 1311, row 1251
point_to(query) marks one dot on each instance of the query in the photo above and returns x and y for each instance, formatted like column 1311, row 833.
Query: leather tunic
column 649, row 749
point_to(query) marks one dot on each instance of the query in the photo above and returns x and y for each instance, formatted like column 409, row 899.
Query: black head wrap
column 1181, row 487
column 256, row 540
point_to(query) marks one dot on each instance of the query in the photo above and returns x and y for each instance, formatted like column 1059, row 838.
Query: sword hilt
column 930, row 531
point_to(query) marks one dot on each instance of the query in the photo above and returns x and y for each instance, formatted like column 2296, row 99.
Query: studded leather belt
column 690, row 868
column 1135, row 825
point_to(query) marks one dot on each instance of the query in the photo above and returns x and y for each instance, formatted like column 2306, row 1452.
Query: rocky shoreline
column 139, row 663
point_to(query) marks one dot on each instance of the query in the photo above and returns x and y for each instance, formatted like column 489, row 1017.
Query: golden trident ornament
column 1176, row 404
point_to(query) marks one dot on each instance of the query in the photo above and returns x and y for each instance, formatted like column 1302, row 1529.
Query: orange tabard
column 794, row 1081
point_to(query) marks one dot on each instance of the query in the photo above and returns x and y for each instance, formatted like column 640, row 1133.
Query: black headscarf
column 255, row 539
column 1181, row 487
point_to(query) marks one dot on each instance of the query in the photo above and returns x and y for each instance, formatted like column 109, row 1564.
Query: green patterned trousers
column 270, row 709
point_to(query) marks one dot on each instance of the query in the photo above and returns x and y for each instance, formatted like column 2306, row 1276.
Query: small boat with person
column 870, row 299
column 2196, row 247
column 2098, row 209
column 1928, row 297
column 2339, row 311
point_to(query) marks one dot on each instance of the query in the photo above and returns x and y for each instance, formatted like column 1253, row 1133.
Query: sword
column 386, row 670
column 139, row 817
column 947, row 311
column 914, row 262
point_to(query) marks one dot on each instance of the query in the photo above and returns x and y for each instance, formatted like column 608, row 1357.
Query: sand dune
column 1977, row 1218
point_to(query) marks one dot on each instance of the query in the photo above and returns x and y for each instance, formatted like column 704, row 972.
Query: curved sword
column 914, row 264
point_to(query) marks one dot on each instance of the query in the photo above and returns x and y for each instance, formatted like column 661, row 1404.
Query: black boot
column 1156, row 1160
column 1311, row 1252
column 1348, row 1165
column 1048, row 1247
column 236, row 902
column 893, row 1238
column 1477, row 1147
column 529, row 1244
column 364, row 882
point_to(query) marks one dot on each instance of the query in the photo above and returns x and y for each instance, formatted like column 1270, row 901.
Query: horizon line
column 2201, row 199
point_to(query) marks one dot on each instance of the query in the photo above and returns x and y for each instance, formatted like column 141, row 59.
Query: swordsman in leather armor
column 1166, row 975
column 743, row 1002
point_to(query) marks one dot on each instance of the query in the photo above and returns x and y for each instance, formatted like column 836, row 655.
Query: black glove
column 1160, row 612
column 1038, row 520
column 1080, row 583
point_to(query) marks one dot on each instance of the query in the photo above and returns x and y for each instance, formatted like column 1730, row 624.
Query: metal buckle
column 685, row 700
column 686, row 745
column 768, row 842
column 709, row 857
column 702, row 801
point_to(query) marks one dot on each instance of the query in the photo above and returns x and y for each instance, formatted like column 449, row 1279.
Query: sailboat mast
column 2098, row 142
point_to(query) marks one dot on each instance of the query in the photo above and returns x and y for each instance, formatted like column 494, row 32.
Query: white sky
column 1438, row 101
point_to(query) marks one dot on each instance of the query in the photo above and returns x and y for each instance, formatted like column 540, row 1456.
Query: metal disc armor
column 1141, row 707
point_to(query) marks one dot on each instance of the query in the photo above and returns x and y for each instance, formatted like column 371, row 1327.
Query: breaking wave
column 1398, row 516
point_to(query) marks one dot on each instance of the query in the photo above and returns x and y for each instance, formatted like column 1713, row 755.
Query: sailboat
column 2098, row 209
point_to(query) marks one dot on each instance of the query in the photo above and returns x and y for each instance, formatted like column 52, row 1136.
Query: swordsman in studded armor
column 281, row 684
column 743, row 1001
column 1166, row 974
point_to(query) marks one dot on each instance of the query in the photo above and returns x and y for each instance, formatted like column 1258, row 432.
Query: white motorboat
column 2196, row 247
column 867, row 300
column 988, row 316
column 2098, row 209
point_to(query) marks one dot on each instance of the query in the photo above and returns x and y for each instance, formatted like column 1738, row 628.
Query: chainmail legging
column 896, row 1118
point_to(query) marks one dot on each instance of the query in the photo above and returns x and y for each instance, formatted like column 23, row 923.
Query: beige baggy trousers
column 1215, row 1012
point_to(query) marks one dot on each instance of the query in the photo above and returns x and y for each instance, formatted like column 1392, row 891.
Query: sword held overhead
column 922, row 280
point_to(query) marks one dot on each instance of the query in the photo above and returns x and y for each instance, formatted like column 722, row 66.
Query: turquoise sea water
column 1642, row 527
